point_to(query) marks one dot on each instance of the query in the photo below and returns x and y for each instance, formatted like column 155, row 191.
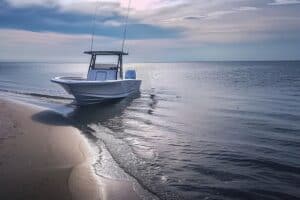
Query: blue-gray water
column 202, row 130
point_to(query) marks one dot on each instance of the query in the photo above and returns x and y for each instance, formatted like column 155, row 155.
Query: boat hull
column 92, row 92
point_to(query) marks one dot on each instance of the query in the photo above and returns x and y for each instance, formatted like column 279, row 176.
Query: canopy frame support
column 120, row 54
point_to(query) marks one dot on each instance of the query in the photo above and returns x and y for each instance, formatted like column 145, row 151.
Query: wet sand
column 40, row 160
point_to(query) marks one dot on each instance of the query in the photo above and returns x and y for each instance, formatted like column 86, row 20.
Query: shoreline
column 42, row 159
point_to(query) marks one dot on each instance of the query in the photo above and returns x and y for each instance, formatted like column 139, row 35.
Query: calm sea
column 202, row 130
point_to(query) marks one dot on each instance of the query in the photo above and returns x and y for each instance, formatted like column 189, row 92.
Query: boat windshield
column 106, row 62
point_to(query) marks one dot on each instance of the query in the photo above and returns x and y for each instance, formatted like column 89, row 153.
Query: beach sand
column 41, row 160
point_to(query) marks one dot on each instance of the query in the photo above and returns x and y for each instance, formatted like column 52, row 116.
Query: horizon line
column 159, row 61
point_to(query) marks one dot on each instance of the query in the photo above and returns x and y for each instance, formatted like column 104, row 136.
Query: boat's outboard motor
column 130, row 74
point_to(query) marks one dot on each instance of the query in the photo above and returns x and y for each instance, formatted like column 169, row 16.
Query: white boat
column 104, row 82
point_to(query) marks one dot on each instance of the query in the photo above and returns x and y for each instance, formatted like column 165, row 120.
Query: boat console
column 103, row 72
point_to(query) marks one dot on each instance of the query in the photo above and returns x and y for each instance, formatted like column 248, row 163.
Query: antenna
column 94, row 24
column 125, row 25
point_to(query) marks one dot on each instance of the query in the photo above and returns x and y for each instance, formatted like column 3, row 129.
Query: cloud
column 54, row 19
column 89, row 5
column 18, row 45
column 21, row 44
column 46, row 3
column 155, row 26
column 247, row 8
column 37, row 46
column 284, row 2
column 229, row 21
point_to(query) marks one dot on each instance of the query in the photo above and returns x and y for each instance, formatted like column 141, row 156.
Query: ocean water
column 200, row 130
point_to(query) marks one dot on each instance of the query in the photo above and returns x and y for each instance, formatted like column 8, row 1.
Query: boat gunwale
column 81, row 80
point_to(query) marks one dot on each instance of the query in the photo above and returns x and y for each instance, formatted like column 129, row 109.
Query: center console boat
column 104, row 82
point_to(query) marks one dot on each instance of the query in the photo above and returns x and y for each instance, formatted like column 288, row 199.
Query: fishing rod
column 126, row 25
column 94, row 24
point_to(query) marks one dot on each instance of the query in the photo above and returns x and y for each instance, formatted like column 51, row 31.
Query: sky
column 158, row 30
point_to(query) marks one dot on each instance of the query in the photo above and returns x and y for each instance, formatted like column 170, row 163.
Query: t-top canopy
column 106, row 53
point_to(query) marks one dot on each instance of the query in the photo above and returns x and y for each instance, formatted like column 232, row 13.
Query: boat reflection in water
column 103, row 113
